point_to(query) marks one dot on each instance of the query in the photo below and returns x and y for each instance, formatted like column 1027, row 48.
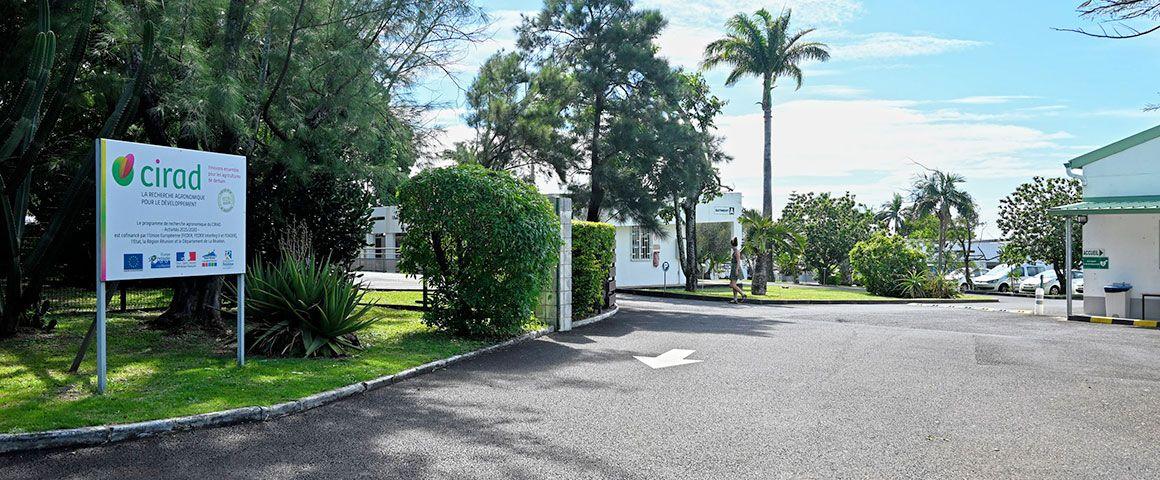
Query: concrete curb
column 1149, row 324
column 758, row 301
column 596, row 318
column 100, row 435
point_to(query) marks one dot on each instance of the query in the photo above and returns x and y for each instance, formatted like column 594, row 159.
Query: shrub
column 921, row 283
column 880, row 260
column 303, row 306
column 484, row 241
column 593, row 253
column 912, row 284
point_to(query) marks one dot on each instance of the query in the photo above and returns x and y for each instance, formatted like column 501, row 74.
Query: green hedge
column 593, row 253
column 883, row 260
column 485, row 242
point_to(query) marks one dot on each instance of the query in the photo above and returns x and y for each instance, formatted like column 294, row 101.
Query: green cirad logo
column 123, row 170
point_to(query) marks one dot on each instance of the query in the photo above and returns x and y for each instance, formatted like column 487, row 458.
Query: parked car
column 1077, row 284
column 999, row 279
column 1050, row 282
column 959, row 276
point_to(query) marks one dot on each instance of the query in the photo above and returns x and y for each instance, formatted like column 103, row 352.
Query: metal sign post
column 102, row 365
column 665, row 275
column 241, row 326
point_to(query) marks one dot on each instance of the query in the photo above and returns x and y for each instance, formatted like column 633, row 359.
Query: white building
column 381, row 251
column 1120, row 214
column 640, row 255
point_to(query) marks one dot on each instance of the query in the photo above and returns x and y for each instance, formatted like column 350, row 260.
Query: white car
column 999, row 279
column 1050, row 282
column 960, row 275
column 1077, row 284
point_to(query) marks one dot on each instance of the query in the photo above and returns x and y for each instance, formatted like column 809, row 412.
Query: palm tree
column 765, row 238
column 936, row 192
column 893, row 214
column 762, row 46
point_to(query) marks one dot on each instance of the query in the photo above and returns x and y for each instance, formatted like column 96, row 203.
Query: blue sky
column 985, row 89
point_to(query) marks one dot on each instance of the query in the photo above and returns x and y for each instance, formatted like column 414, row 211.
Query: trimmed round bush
column 486, row 244
column 593, row 253
column 882, row 259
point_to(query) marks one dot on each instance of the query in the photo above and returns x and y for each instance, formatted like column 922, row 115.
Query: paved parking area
column 779, row 392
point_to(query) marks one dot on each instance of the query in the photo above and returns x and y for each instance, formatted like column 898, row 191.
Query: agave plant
column 304, row 306
column 913, row 284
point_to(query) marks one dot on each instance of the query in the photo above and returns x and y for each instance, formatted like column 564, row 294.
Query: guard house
column 641, row 255
column 1120, row 217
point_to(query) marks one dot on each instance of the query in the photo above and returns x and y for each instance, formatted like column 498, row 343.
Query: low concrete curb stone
column 100, row 435
column 596, row 318
column 760, row 301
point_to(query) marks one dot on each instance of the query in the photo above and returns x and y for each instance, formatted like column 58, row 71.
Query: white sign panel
column 168, row 212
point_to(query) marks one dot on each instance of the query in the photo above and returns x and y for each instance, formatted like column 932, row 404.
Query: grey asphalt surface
column 782, row 392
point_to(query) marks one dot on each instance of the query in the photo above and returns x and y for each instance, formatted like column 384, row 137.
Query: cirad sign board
column 167, row 212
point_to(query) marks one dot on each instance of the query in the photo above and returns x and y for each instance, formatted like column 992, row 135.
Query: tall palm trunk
column 762, row 263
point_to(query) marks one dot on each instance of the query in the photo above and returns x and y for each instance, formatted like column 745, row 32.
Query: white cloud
column 989, row 99
column 893, row 45
column 870, row 148
column 714, row 13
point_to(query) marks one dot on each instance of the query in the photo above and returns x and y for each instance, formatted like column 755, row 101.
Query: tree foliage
column 1031, row 233
column 831, row 226
column 484, row 241
column 47, row 123
column 882, row 260
column 518, row 116
column 606, row 47
column 937, row 193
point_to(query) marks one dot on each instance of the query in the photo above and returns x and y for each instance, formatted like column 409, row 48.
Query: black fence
column 122, row 297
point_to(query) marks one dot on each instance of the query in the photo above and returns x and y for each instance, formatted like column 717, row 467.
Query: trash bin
column 1116, row 300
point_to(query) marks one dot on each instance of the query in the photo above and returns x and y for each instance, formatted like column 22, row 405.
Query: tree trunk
column 760, row 274
column 942, row 240
column 196, row 302
column 767, row 154
column 595, row 181
column 693, row 269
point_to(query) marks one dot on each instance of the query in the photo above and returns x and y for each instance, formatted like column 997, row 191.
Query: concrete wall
column 1132, row 245
column 1135, row 171
column 636, row 273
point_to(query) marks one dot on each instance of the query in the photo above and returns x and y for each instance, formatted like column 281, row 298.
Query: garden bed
column 154, row 375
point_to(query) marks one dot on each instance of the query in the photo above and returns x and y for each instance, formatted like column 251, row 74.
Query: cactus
column 25, row 127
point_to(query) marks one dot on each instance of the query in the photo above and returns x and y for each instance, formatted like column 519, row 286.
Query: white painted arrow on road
column 670, row 358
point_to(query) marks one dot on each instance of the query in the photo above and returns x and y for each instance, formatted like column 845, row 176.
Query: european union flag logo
column 134, row 261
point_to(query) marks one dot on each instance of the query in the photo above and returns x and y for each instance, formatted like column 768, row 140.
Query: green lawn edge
column 155, row 375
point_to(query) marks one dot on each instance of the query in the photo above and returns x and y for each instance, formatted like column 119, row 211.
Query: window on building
column 641, row 244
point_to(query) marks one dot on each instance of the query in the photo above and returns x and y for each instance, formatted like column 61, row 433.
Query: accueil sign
column 167, row 212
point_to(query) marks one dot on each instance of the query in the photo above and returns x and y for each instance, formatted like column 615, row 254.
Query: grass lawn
column 412, row 298
column 789, row 291
column 154, row 375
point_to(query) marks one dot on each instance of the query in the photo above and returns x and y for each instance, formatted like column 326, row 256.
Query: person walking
column 735, row 273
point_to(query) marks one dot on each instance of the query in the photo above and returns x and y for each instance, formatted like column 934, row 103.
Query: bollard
column 1040, row 307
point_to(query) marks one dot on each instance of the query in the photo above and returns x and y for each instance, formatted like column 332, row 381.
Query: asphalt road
column 781, row 392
